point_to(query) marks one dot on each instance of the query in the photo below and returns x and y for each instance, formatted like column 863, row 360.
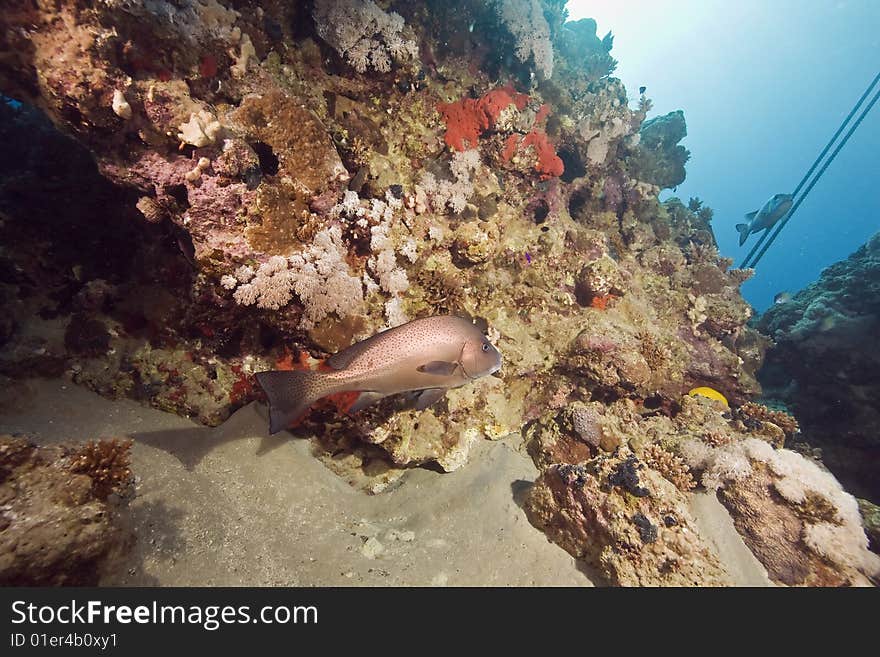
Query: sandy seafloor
column 232, row 506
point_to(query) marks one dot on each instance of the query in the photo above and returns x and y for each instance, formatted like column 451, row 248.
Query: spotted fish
column 426, row 356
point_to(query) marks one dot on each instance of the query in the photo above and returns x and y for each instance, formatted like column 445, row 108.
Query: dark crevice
column 179, row 194
column 574, row 168
column 268, row 159
column 541, row 211
column 577, row 201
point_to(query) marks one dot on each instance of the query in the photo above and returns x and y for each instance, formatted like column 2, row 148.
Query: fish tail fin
column 291, row 393
column 743, row 230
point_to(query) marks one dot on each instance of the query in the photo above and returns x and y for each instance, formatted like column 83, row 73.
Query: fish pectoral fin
column 751, row 215
column 438, row 367
column 428, row 397
column 364, row 400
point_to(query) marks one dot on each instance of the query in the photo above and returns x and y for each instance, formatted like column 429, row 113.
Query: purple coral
column 612, row 193
column 585, row 422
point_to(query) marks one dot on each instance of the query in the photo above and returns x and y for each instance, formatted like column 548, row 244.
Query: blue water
column 764, row 85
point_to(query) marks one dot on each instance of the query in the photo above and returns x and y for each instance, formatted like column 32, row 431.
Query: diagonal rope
column 766, row 233
column 815, row 179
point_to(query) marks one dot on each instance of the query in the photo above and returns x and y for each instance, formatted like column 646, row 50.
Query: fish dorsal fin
column 751, row 215
column 438, row 367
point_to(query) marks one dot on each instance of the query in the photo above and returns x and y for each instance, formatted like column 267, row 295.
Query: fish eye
column 485, row 346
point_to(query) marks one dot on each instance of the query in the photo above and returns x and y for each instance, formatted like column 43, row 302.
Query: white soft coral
column 319, row 276
column 362, row 33
column 525, row 20
column 840, row 539
column 445, row 195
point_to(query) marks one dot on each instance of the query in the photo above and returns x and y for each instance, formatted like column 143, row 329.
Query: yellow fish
column 711, row 393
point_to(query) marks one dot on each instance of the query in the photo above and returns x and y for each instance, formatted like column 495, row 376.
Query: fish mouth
column 472, row 377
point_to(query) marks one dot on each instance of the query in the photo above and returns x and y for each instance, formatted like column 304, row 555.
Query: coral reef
column 59, row 524
column 526, row 22
column 672, row 467
column 583, row 50
column 752, row 413
column 823, row 366
column 259, row 185
column 300, row 201
column 361, row 32
column 792, row 514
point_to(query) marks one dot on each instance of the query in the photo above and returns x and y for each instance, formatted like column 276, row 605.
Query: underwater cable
column 745, row 262
column 815, row 179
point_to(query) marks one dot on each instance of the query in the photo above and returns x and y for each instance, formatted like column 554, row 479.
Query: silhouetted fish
column 771, row 212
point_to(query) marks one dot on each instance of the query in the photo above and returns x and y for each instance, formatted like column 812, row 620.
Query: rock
column 643, row 539
column 771, row 529
column 475, row 242
column 871, row 516
column 405, row 536
column 372, row 548
column 659, row 159
column 610, row 358
column 794, row 515
column 597, row 280
column 580, row 48
column 572, row 436
column 62, row 521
